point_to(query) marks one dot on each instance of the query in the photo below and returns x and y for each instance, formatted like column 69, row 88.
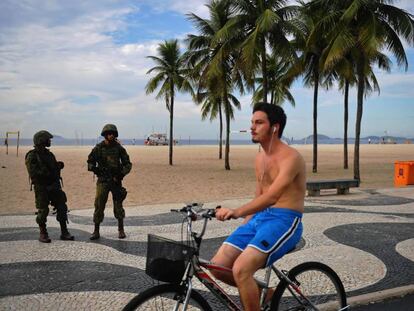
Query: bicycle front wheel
column 319, row 285
column 167, row 297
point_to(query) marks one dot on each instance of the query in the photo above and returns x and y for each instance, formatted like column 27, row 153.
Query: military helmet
column 109, row 128
column 41, row 138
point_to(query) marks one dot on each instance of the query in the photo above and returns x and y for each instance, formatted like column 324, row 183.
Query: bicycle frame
column 220, row 293
column 196, row 267
column 212, row 285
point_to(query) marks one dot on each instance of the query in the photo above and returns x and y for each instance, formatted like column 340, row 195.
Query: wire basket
column 167, row 259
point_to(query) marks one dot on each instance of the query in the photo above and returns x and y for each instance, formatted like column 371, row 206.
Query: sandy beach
column 197, row 174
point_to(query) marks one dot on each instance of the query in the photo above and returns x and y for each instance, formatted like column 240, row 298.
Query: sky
column 70, row 67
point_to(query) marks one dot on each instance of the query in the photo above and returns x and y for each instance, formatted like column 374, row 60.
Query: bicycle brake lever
column 210, row 213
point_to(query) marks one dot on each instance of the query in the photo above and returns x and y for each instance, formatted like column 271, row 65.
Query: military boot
column 95, row 235
column 44, row 237
column 121, row 232
column 65, row 235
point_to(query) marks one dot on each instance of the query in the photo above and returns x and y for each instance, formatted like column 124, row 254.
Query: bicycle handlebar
column 192, row 215
column 189, row 210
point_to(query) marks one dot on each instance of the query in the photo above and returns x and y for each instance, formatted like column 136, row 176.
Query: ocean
column 59, row 141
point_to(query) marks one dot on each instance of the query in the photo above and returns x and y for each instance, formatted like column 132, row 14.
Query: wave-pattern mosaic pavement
column 367, row 237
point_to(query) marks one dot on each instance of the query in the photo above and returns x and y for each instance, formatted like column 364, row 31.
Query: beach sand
column 196, row 176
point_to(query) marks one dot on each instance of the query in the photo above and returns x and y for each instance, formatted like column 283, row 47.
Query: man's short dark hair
column 274, row 113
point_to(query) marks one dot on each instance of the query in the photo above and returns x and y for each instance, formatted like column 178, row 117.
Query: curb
column 380, row 295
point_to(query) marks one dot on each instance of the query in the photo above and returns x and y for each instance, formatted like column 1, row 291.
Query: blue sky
column 72, row 66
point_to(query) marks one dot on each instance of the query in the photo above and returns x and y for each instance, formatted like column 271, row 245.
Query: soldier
column 44, row 172
column 110, row 162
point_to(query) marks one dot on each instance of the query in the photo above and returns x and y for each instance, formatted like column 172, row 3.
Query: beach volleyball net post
column 6, row 141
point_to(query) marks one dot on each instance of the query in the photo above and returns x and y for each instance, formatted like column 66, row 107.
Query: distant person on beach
column 44, row 172
column 110, row 163
column 272, row 220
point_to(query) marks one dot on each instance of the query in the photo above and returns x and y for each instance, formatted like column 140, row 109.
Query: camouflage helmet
column 41, row 138
column 109, row 128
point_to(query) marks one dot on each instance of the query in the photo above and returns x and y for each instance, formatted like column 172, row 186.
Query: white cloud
column 197, row 7
column 63, row 68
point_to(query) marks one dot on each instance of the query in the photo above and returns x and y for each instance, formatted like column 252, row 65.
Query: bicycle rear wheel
column 317, row 282
column 166, row 297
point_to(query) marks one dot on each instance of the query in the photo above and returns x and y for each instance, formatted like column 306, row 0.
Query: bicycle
column 308, row 286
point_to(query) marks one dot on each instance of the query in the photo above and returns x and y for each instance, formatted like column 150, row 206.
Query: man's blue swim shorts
column 273, row 231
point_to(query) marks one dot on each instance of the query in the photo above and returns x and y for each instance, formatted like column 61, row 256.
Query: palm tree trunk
column 225, row 101
column 264, row 69
column 315, row 123
column 361, row 86
column 227, row 151
column 171, row 126
column 346, row 124
column 221, row 132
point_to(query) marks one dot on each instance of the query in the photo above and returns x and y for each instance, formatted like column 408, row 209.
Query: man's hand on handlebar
column 223, row 213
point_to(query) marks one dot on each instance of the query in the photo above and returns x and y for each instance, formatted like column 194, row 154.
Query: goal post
column 6, row 141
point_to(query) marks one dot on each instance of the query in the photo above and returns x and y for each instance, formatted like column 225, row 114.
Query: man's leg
column 225, row 256
column 119, row 211
column 102, row 191
column 59, row 202
column 244, row 268
column 42, row 206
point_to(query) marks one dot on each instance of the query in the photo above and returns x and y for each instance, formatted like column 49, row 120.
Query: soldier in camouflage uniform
column 110, row 163
column 44, row 172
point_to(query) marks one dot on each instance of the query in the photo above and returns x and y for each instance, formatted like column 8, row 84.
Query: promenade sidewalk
column 367, row 237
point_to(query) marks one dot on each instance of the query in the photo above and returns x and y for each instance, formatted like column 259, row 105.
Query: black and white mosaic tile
column 367, row 240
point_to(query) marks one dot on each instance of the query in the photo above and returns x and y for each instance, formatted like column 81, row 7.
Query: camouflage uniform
column 44, row 172
column 110, row 162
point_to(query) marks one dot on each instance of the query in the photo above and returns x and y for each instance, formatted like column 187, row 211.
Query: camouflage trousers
column 55, row 197
column 102, row 193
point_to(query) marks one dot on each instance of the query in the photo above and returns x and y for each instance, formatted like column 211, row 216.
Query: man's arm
column 92, row 159
column 126, row 163
column 258, row 191
column 289, row 169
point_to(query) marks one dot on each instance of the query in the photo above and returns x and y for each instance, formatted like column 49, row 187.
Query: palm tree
column 278, row 68
column 261, row 24
column 170, row 72
column 211, row 107
column 213, row 64
column 311, row 45
column 346, row 76
column 368, row 27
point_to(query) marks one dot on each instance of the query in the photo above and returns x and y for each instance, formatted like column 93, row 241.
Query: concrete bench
column 341, row 185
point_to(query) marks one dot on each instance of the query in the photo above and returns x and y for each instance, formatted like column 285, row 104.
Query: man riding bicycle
column 272, row 225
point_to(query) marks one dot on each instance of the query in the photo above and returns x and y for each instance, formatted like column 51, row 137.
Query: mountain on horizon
column 324, row 139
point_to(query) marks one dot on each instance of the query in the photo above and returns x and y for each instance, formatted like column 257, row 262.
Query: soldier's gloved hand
column 60, row 165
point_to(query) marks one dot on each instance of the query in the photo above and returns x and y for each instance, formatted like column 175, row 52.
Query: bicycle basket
column 167, row 259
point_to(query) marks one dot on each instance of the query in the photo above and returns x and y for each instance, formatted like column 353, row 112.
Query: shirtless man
column 272, row 224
